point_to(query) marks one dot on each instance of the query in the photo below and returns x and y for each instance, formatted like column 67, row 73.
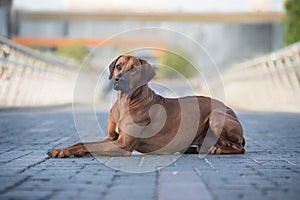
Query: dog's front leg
column 112, row 148
column 123, row 146
column 77, row 150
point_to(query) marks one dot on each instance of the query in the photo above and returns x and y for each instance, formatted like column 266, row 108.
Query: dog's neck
column 140, row 94
column 141, row 100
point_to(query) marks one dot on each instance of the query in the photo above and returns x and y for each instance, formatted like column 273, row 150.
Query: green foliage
column 176, row 60
column 74, row 51
column 292, row 21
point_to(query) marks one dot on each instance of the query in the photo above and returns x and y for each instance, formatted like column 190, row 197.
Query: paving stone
column 269, row 170
column 11, row 181
column 26, row 194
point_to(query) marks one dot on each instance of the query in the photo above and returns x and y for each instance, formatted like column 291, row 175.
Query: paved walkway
column 269, row 170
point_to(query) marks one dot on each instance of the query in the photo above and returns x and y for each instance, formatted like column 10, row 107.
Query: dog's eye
column 118, row 67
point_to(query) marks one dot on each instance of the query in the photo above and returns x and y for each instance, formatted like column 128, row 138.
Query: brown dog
column 143, row 121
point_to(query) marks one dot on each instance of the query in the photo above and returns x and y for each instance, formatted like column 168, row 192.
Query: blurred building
column 229, row 30
column 5, row 17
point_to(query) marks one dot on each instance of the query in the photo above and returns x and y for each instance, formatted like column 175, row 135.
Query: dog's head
column 130, row 73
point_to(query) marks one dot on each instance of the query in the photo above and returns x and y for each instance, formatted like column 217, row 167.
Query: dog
column 144, row 121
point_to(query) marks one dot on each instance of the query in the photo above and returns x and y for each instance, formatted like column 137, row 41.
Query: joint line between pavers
column 14, row 185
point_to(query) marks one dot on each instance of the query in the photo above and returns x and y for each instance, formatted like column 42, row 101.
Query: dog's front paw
column 59, row 153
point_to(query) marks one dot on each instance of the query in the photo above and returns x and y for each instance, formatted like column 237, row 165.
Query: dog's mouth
column 117, row 86
column 120, row 87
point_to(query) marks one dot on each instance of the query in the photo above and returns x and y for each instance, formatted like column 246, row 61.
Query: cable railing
column 270, row 82
column 29, row 78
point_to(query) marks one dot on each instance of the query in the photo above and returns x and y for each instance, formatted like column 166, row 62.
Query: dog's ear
column 148, row 72
column 112, row 67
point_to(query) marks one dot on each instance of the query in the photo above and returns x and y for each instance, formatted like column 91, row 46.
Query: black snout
column 118, row 77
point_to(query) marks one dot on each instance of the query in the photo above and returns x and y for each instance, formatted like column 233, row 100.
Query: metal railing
column 270, row 82
column 30, row 78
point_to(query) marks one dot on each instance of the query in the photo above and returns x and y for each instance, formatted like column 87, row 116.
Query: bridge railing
column 30, row 78
column 270, row 82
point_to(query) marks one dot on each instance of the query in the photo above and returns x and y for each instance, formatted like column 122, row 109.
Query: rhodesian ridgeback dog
column 144, row 121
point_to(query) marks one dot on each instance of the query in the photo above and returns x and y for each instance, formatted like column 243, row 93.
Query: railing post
column 270, row 82
column 30, row 78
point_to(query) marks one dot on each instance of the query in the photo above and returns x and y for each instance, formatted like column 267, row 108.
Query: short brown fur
column 218, row 132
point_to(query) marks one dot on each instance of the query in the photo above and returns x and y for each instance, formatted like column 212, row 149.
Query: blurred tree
column 178, row 60
column 74, row 51
column 292, row 21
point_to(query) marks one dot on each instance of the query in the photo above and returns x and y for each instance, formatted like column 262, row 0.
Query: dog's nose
column 118, row 77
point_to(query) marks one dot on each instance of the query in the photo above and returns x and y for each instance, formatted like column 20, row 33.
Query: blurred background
column 231, row 32
column 53, row 53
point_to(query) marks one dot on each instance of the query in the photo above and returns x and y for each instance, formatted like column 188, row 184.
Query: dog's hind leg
column 224, row 124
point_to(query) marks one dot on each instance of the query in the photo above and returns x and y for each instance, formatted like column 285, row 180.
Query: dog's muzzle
column 118, row 78
column 121, row 83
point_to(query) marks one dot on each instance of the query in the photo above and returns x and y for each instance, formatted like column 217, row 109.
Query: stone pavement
column 269, row 170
